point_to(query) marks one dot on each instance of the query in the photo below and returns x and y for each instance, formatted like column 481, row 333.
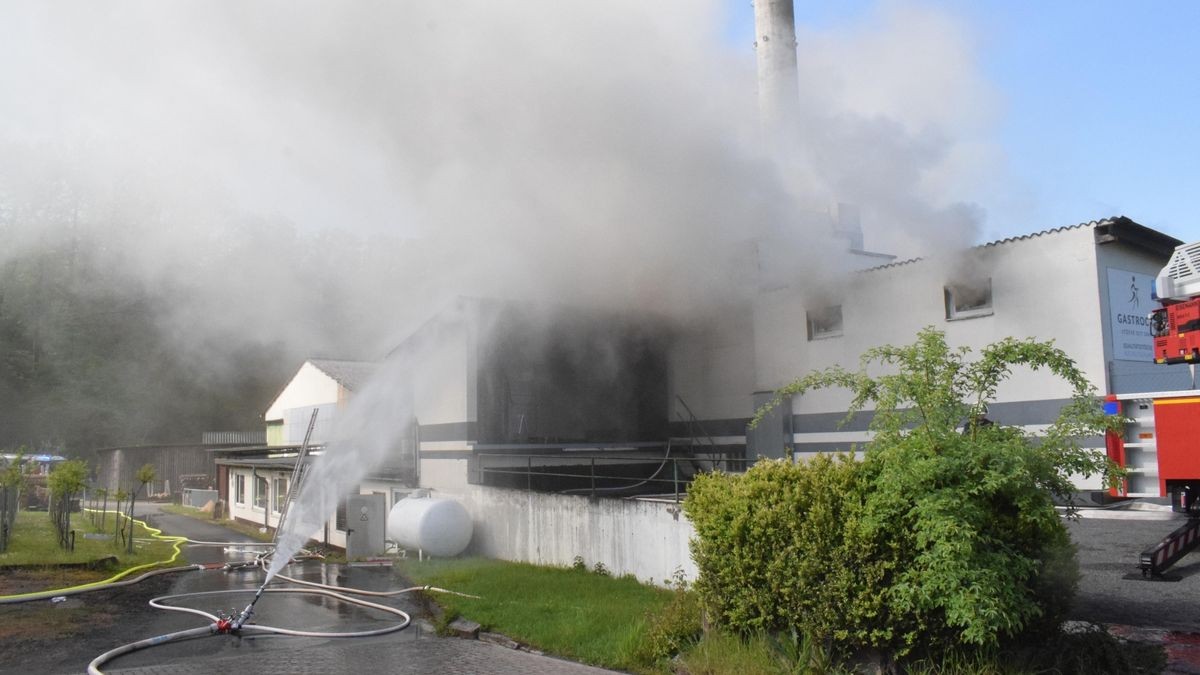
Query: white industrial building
column 514, row 410
column 1086, row 287
column 529, row 415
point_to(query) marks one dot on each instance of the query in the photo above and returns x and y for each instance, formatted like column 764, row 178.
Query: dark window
column 260, row 492
column 281, row 488
column 824, row 322
column 964, row 301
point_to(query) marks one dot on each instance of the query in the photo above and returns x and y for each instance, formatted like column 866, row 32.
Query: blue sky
column 1100, row 105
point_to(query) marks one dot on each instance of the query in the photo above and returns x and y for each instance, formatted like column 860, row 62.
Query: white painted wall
column 440, row 376
column 711, row 366
column 254, row 515
column 309, row 386
column 1047, row 287
column 248, row 511
column 444, row 474
column 1044, row 287
column 646, row 539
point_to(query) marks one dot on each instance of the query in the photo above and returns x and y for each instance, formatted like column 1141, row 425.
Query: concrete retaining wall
column 646, row 539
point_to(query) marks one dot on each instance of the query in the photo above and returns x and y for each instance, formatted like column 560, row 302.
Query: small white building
column 256, row 479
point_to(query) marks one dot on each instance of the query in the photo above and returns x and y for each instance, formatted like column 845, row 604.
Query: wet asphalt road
column 408, row 651
column 1108, row 553
column 1108, row 546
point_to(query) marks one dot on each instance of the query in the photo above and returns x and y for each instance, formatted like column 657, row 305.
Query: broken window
column 964, row 301
column 825, row 322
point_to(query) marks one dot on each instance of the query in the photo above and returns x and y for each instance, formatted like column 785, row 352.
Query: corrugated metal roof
column 350, row 374
column 1008, row 240
column 262, row 463
column 245, row 449
column 233, row 437
column 1042, row 233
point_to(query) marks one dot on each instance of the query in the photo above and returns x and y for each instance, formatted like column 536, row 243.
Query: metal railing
column 599, row 475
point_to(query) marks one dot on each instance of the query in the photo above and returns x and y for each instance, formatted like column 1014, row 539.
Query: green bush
column 672, row 628
column 938, row 537
column 780, row 547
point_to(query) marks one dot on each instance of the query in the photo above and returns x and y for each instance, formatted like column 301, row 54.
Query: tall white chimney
column 778, row 90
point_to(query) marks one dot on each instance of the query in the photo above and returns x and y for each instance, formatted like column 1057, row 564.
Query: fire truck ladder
column 299, row 472
column 1159, row 557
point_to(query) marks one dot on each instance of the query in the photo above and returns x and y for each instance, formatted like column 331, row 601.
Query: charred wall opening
column 575, row 377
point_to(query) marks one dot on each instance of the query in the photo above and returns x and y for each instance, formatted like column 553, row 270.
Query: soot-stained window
column 574, row 377
column 825, row 322
column 968, row 300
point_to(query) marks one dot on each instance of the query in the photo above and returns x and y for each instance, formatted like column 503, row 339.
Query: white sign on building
column 1129, row 304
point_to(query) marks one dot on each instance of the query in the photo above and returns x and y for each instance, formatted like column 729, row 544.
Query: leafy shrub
column 772, row 550
column 939, row 537
column 671, row 629
column 799, row 654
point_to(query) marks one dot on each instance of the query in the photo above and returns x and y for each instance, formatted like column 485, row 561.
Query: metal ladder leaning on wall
column 299, row 472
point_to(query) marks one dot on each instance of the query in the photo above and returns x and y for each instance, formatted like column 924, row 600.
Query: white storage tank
column 434, row 525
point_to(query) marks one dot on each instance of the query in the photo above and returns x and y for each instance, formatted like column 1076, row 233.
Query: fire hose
column 236, row 624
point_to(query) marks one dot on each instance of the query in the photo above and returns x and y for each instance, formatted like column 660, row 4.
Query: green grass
column 614, row 622
column 33, row 560
column 573, row 613
column 35, row 542
column 721, row 654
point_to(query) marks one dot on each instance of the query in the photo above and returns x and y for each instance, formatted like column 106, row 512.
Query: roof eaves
column 1114, row 222
column 1042, row 233
column 898, row 263
column 350, row 374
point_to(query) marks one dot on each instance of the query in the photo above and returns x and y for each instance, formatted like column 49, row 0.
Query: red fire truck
column 1158, row 443
column 1176, row 326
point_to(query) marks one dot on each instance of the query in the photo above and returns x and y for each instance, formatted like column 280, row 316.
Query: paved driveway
column 122, row 616
column 1108, row 554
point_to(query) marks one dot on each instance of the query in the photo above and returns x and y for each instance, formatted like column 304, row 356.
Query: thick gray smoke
column 286, row 168
column 325, row 175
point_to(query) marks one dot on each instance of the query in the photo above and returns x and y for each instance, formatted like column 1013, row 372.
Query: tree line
column 85, row 362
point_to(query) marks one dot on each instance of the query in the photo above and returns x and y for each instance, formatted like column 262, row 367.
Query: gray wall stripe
column 447, row 454
column 831, row 446
column 722, row 427
column 452, row 431
column 1012, row 413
